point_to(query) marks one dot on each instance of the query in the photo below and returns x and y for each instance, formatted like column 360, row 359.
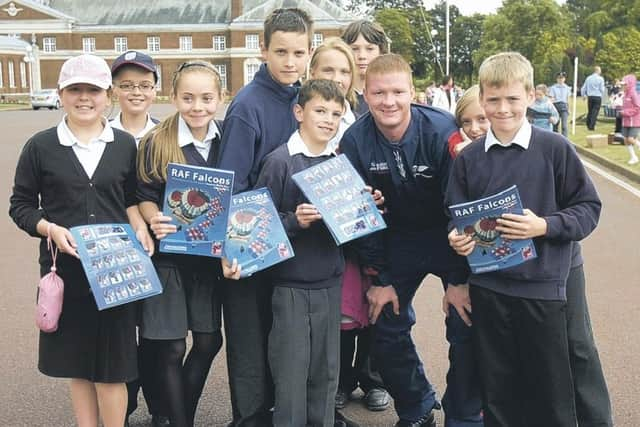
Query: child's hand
column 461, row 243
column 378, row 297
column 231, row 271
column 63, row 239
column 378, row 198
column 161, row 225
column 306, row 214
column 553, row 120
column 458, row 297
column 518, row 227
column 145, row 239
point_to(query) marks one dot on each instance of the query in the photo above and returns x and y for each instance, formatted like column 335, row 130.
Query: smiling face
column 196, row 98
column 137, row 92
column 473, row 120
column 364, row 52
column 84, row 104
column 332, row 64
column 389, row 98
column 505, row 108
column 319, row 120
column 287, row 56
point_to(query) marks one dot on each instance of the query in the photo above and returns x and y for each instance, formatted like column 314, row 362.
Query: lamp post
column 29, row 58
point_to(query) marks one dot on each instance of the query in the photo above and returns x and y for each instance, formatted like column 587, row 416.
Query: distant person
column 444, row 97
column 367, row 40
column 630, row 113
column 593, row 88
column 559, row 94
column 542, row 113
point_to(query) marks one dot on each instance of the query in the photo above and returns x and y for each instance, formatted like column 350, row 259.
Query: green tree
column 620, row 53
column 397, row 27
column 466, row 33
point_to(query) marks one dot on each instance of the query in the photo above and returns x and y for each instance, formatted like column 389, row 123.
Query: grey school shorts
column 630, row 132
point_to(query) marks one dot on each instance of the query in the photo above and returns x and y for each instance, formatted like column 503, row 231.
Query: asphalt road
column 28, row 398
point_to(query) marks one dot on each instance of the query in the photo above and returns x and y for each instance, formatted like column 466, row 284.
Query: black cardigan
column 51, row 183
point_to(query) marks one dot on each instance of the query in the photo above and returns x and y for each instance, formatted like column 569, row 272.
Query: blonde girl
column 190, row 300
column 82, row 172
column 470, row 119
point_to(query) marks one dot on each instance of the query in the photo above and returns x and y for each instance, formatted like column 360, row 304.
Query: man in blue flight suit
column 401, row 149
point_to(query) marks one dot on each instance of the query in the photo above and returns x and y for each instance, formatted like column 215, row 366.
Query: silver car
column 45, row 98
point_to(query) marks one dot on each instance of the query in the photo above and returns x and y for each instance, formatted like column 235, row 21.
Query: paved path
column 28, row 398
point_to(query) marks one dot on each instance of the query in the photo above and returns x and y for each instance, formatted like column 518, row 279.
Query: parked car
column 46, row 98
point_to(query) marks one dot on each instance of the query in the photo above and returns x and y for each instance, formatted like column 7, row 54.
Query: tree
column 396, row 25
column 620, row 53
column 466, row 34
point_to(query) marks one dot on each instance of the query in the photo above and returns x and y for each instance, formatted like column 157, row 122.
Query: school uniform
column 305, row 335
column 147, row 356
column 72, row 184
column 519, row 314
column 412, row 174
column 189, row 300
column 259, row 119
column 151, row 122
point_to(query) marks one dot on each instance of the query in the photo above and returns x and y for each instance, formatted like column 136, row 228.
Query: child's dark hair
column 287, row 20
column 371, row 31
column 326, row 89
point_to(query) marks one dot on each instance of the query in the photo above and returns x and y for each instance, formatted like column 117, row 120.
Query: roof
column 320, row 10
column 37, row 6
column 178, row 12
column 13, row 43
column 158, row 12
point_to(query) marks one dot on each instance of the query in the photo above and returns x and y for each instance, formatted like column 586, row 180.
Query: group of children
column 302, row 336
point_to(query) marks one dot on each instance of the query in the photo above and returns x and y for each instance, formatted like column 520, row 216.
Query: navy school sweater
column 554, row 185
column 259, row 119
column 318, row 262
column 412, row 175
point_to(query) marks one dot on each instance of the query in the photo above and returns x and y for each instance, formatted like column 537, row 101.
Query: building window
column 12, row 77
column 49, row 44
column 159, row 71
column 1, row 76
column 222, row 70
column 219, row 43
column 153, row 44
column 252, row 41
column 120, row 44
column 186, row 43
column 317, row 39
column 88, row 44
column 23, row 74
column 251, row 67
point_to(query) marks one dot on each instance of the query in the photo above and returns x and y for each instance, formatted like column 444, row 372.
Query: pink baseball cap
column 87, row 69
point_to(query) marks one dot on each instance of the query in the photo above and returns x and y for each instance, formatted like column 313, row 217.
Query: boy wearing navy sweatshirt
column 259, row 119
column 304, row 340
column 519, row 319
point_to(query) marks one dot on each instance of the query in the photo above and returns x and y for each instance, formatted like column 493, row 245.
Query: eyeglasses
column 130, row 87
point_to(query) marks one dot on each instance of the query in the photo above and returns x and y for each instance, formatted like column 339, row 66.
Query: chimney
column 236, row 9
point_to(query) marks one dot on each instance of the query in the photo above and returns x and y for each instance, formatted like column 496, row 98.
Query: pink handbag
column 50, row 295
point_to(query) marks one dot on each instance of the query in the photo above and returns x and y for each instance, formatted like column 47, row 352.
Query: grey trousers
column 304, row 348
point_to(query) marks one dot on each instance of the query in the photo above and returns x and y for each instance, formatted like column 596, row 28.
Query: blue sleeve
column 237, row 150
column 578, row 199
column 273, row 175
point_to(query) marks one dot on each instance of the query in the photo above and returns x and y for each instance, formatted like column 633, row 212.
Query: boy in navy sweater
column 520, row 331
column 259, row 119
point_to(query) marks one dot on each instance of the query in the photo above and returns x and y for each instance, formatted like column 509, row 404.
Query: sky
column 469, row 7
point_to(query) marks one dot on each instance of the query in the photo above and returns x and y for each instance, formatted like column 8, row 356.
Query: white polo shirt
column 89, row 154
column 185, row 137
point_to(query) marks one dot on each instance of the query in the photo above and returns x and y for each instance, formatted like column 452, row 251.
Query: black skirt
column 98, row 346
column 189, row 301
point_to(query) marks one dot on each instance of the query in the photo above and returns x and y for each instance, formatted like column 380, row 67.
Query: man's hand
column 378, row 297
column 458, row 297
column 306, row 214
column 461, row 243
column 378, row 198
column 518, row 227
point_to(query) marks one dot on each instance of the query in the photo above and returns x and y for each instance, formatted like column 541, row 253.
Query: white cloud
column 469, row 7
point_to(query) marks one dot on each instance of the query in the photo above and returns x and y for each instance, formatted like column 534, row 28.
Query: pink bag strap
column 50, row 246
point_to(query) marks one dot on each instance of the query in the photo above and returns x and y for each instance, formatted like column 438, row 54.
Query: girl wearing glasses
column 190, row 300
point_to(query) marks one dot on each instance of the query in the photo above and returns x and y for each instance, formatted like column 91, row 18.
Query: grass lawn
column 12, row 106
column 605, row 125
